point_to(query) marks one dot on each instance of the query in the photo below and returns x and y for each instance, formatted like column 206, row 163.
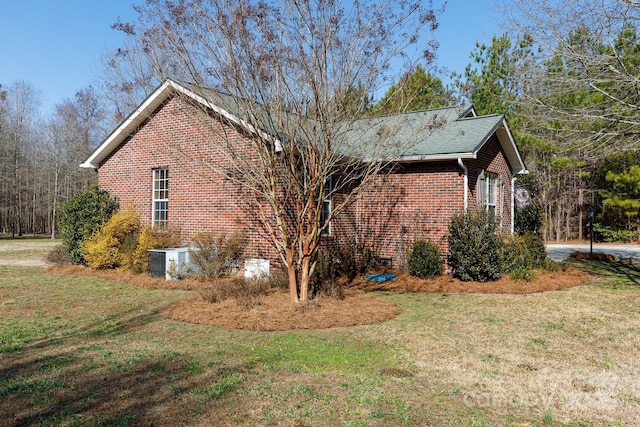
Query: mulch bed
column 277, row 312
column 542, row 281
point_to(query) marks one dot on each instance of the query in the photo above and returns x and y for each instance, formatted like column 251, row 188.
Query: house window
column 326, row 207
column 160, row 198
column 490, row 190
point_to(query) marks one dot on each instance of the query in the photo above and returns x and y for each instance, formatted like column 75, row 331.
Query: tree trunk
column 293, row 280
column 304, row 279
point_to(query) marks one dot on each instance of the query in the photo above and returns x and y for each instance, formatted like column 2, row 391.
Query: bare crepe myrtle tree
column 286, row 70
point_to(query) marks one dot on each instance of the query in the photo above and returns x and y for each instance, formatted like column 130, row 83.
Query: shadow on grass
column 94, row 375
column 625, row 270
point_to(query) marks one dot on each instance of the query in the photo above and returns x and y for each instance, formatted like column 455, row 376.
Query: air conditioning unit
column 169, row 262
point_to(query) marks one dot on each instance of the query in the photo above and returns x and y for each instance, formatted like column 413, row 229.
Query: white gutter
column 466, row 183
column 513, row 201
column 431, row 157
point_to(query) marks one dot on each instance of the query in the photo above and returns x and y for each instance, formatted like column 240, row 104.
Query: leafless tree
column 39, row 158
column 587, row 83
column 130, row 73
column 18, row 141
column 72, row 133
column 287, row 69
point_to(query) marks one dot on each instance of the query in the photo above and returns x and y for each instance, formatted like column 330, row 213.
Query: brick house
column 156, row 160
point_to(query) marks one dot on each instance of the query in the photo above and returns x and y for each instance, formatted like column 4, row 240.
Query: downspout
column 466, row 183
column 513, row 200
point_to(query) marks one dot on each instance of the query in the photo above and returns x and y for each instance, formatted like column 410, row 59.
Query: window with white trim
column 326, row 207
column 490, row 193
column 160, row 203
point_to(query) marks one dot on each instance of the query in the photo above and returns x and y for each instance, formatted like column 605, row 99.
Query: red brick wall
column 492, row 159
column 181, row 138
column 414, row 200
column 417, row 200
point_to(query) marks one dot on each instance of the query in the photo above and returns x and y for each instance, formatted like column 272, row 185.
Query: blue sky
column 56, row 45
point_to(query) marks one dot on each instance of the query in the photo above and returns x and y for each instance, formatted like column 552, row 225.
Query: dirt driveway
column 27, row 253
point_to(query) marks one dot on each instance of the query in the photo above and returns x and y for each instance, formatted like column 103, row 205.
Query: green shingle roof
column 437, row 134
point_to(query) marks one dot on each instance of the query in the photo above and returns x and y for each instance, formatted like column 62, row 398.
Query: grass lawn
column 78, row 351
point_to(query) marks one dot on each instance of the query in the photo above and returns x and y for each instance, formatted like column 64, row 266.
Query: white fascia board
column 509, row 146
column 435, row 157
column 231, row 117
column 134, row 120
column 516, row 153
column 424, row 158
column 145, row 109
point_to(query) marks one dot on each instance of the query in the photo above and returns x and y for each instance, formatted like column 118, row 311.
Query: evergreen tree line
column 566, row 76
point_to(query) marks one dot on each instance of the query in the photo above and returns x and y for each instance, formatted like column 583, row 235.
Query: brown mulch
column 277, row 312
column 593, row 256
column 542, row 281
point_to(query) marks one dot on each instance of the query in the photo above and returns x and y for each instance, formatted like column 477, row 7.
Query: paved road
column 560, row 252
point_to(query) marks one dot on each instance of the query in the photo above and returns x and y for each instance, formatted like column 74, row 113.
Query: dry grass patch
column 25, row 252
column 143, row 280
column 572, row 353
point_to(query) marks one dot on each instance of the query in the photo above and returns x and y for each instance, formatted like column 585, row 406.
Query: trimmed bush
column 81, row 217
column 475, row 250
column 527, row 220
column 425, row 259
column 523, row 253
column 514, row 254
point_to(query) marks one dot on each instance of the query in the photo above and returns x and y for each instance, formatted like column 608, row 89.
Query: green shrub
column 216, row 255
column 425, row 259
column 551, row 265
column 527, row 220
column 114, row 243
column 522, row 252
column 475, row 250
column 514, row 254
column 81, row 217
column 537, row 252
column 522, row 273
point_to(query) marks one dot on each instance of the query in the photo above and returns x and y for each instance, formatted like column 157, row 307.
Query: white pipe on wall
column 466, row 183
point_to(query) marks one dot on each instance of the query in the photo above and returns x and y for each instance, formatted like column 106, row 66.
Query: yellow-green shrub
column 150, row 238
column 110, row 246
